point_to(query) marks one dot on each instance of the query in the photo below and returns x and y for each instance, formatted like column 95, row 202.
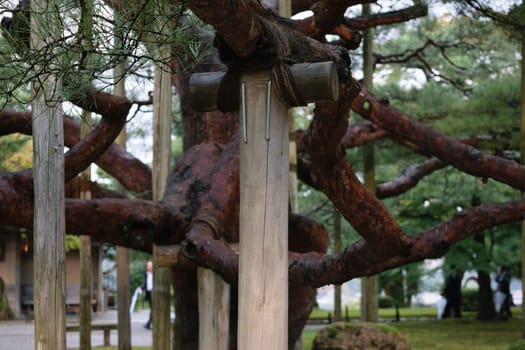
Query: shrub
column 469, row 299
column 385, row 302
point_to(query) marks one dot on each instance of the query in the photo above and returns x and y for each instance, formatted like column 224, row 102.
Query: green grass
column 453, row 334
column 385, row 313
column 390, row 313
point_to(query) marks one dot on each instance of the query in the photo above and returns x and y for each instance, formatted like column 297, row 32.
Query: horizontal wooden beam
column 168, row 255
column 315, row 82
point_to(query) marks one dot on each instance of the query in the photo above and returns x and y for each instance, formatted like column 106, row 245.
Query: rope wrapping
column 273, row 53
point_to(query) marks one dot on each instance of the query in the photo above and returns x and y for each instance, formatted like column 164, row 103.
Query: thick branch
column 134, row 175
column 126, row 222
column 431, row 142
column 317, row 270
column 242, row 37
column 251, row 35
column 399, row 16
column 303, row 5
column 131, row 223
column 357, row 134
column 408, row 178
column 361, row 209
column 114, row 110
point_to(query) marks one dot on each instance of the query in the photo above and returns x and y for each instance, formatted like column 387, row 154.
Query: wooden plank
column 161, row 166
column 263, row 270
column 168, row 255
column 105, row 327
column 214, row 311
column 48, row 177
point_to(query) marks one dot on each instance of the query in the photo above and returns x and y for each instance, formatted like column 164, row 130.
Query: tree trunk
column 49, row 203
column 486, row 309
column 369, row 292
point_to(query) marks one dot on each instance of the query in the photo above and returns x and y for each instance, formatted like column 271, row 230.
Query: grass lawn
column 390, row 313
column 453, row 334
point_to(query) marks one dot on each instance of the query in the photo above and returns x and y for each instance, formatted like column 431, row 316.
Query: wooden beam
column 161, row 167
column 214, row 311
column 86, row 270
column 263, row 259
column 49, row 202
column 123, row 273
column 369, row 284
column 316, row 81
column 168, row 255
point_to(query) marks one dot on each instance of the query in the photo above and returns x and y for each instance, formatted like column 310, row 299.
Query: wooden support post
column 264, row 166
column 123, row 275
column 369, row 285
column 86, row 269
column 161, row 166
column 48, row 178
column 263, row 259
column 214, row 311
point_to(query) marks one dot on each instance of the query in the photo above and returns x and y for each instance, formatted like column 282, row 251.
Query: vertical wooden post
column 369, row 305
column 48, row 177
column 338, row 313
column 263, row 270
column 85, row 253
column 214, row 311
column 264, row 163
column 161, row 164
column 522, row 149
column 123, row 276
column 86, row 31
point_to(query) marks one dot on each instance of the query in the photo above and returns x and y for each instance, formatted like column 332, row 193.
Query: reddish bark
column 132, row 174
column 433, row 143
column 316, row 270
column 409, row 178
column 365, row 22
column 201, row 204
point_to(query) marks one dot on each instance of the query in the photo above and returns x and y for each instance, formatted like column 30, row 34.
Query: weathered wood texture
column 214, row 311
column 161, row 166
column 369, row 284
column 49, row 202
column 263, row 264
column 123, row 274
column 315, row 81
column 86, row 270
column 522, row 148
